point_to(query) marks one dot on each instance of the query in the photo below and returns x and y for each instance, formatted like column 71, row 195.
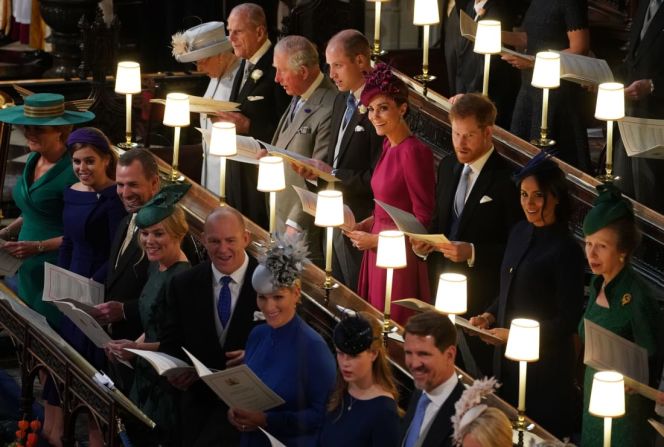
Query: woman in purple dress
column 404, row 177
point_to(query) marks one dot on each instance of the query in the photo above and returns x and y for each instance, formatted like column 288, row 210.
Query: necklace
column 350, row 403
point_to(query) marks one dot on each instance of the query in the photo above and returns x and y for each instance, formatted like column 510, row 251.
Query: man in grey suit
column 304, row 128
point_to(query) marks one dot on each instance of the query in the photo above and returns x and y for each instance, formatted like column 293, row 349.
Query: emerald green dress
column 633, row 314
column 151, row 392
column 41, row 203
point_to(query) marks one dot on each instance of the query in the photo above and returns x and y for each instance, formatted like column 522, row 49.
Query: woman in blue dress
column 362, row 411
column 286, row 354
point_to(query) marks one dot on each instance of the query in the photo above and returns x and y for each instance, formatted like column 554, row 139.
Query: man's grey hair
column 255, row 14
column 301, row 52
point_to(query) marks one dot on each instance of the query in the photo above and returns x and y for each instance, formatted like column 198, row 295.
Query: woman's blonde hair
column 490, row 429
column 380, row 368
column 175, row 226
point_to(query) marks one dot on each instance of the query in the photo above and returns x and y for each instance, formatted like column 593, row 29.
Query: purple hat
column 381, row 81
column 89, row 136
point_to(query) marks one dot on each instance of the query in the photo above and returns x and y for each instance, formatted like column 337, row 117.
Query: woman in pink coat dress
column 404, row 177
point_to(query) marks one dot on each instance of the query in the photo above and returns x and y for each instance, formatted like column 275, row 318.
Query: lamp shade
column 329, row 209
column 222, row 139
column 610, row 101
column 391, row 252
column 177, row 110
column 546, row 73
column 523, row 341
column 607, row 396
column 271, row 174
column 451, row 297
column 378, row 1
column 426, row 12
column 487, row 39
column 128, row 78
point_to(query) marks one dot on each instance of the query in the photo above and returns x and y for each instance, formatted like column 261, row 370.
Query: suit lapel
column 307, row 109
column 235, row 89
column 250, row 84
column 203, row 308
column 512, row 259
column 115, row 249
column 447, row 195
column 440, row 429
column 653, row 30
column 243, row 315
column 479, row 190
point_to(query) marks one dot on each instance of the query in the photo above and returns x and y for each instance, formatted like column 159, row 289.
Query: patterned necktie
column 224, row 304
column 650, row 13
column 462, row 190
column 248, row 68
column 292, row 111
column 131, row 228
column 350, row 110
column 416, row 424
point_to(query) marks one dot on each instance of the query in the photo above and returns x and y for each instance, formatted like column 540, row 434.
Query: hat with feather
column 201, row 41
column 280, row 264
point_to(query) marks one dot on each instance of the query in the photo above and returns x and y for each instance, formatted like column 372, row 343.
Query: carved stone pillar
column 63, row 17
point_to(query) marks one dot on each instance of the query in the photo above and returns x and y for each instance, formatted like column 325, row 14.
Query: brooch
column 626, row 299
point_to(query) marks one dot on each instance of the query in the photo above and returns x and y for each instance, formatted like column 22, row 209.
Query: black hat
column 353, row 335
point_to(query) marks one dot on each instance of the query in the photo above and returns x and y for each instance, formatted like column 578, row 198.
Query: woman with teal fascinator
column 162, row 226
column 621, row 302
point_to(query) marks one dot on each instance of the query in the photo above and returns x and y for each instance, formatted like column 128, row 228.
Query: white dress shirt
column 437, row 396
column 238, row 278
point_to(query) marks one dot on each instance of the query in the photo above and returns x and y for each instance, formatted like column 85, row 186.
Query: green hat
column 608, row 207
column 161, row 205
column 43, row 109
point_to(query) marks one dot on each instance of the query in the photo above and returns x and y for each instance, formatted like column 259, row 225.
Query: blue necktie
column 224, row 304
column 350, row 110
column 416, row 424
column 462, row 190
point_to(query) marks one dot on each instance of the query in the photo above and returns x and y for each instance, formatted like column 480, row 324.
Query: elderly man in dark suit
column 353, row 148
column 262, row 102
column 476, row 206
column 210, row 310
column 430, row 349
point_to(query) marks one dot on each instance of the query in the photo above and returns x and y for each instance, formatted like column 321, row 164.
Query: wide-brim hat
column 204, row 40
column 44, row 109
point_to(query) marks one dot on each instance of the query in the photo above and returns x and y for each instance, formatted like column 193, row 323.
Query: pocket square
column 258, row 316
column 486, row 199
column 359, row 128
column 304, row 130
column 255, row 98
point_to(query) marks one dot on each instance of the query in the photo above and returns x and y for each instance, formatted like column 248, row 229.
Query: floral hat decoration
column 353, row 335
column 469, row 406
column 608, row 207
column 381, row 81
column 201, row 41
column 281, row 263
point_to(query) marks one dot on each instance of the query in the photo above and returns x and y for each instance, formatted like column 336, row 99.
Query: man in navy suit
column 262, row 102
column 430, row 349
column 210, row 310
column 476, row 206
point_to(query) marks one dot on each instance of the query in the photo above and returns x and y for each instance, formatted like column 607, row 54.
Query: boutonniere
column 359, row 128
column 256, row 75
column 362, row 109
column 626, row 299
column 304, row 130
column 258, row 316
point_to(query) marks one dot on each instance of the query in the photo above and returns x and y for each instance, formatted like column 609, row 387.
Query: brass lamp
column 390, row 255
column 425, row 14
column 329, row 214
column 487, row 42
column 546, row 75
column 128, row 83
column 610, row 107
column 271, row 179
column 176, row 115
column 376, row 50
column 223, row 144
column 607, row 399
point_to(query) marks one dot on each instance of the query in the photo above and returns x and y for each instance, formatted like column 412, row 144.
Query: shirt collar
column 237, row 276
column 358, row 93
column 478, row 164
column 439, row 395
column 260, row 52
column 314, row 85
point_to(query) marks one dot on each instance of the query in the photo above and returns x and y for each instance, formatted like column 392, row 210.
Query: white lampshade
column 128, row 78
column 607, row 396
column 222, row 139
column 391, row 252
column 523, row 341
column 451, row 297
column 426, row 12
column 271, row 174
column 546, row 73
column 329, row 209
column 610, row 101
column 487, row 39
column 378, row 1
column 177, row 110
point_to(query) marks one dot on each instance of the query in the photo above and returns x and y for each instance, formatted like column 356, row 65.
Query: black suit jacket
column 189, row 323
column 440, row 432
column 643, row 61
column 358, row 154
column 262, row 101
column 492, row 208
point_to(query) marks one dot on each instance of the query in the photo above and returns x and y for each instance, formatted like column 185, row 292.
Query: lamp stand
column 607, row 432
column 608, row 170
column 425, row 77
column 376, row 51
column 222, row 181
column 520, row 423
column 175, row 175
column 387, row 326
column 329, row 283
column 273, row 212
column 127, row 144
column 543, row 141
column 485, row 82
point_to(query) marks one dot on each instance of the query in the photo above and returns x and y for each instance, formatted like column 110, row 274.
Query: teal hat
column 44, row 109
column 608, row 207
column 161, row 205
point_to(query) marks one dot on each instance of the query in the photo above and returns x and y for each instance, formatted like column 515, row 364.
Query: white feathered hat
column 201, row 41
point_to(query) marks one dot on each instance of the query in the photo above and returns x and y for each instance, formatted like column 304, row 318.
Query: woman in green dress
column 39, row 192
column 619, row 301
column 162, row 226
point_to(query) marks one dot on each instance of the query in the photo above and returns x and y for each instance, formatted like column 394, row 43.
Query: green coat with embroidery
column 632, row 314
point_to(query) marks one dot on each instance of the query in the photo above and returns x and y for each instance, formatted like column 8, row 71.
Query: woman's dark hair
column 550, row 179
column 96, row 140
column 628, row 235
